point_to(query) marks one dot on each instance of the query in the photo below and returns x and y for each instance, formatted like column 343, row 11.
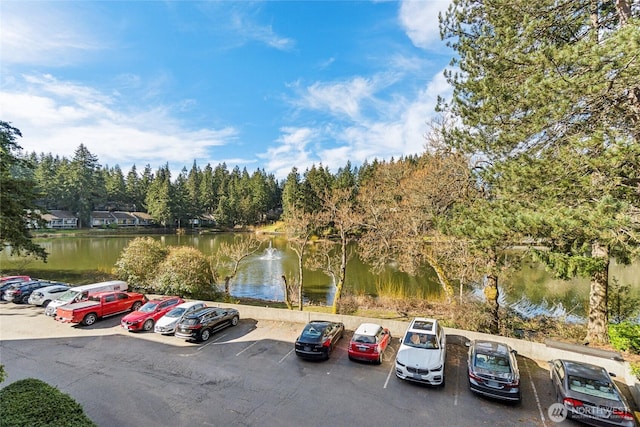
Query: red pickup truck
column 101, row 304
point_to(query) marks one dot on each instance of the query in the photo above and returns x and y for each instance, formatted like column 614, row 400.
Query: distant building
column 60, row 219
column 101, row 219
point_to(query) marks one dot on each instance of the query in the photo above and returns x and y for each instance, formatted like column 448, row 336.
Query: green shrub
column 635, row 369
column 31, row 403
column 625, row 336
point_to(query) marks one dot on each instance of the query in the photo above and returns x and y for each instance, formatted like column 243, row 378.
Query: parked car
column 369, row 342
column 82, row 293
column 201, row 323
column 144, row 318
column 13, row 279
column 493, row 370
column 7, row 282
column 43, row 296
column 19, row 293
column 318, row 338
column 167, row 324
column 100, row 305
column 422, row 352
column 589, row 394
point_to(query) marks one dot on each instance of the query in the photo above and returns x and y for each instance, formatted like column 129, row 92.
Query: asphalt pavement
column 246, row 375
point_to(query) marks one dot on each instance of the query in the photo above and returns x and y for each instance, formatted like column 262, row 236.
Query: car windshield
column 311, row 331
column 366, row 339
column 421, row 340
column 176, row 312
column 593, row 387
column 68, row 296
column 148, row 307
column 492, row 362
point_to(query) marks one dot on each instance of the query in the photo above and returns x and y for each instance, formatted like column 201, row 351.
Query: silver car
column 44, row 296
column 589, row 394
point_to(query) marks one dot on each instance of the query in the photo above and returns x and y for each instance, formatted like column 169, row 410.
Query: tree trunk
column 341, row 278
column 442, row 278
column 300, row 274
column 287, row 297
column 492, row 294
column 597, row 325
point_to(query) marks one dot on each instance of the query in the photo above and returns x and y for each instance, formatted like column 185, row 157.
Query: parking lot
column 247, row 375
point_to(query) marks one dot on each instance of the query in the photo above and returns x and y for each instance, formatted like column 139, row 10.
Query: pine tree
column 548, row 94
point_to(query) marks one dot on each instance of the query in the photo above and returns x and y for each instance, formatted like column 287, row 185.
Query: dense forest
column 81, row 185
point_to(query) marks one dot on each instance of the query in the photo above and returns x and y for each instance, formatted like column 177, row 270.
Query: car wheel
column 148, row 325
column 25, row 299
column 205, row 335
column 234, row 321
column 46, row 303
column 89, row 319
column 379, row 361
column 442, row 383
column 329, row 350
column 136, row 305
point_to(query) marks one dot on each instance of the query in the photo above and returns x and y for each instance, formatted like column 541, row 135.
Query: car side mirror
column 400, row 340
column 612, row 374
column 468, row 343
column 514, row 352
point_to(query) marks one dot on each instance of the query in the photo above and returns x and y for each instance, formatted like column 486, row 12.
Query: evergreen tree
column 134, row 198
column 548, row 93
column 159, row 196
column 84, row 187
column 18, row 211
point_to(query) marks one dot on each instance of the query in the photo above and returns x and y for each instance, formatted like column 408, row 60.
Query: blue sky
column 270, row 85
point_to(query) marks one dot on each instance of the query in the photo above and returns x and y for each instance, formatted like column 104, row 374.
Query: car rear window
column 312, row 332
column 366, row 339
column 593, row 387
column 493, row 362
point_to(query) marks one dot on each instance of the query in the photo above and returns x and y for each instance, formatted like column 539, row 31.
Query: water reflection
column 530, row 290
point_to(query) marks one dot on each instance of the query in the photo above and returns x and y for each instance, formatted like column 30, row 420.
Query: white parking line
column 393, row 367
column 286, row 355
column 211, row 342
column 247, row 348
column 535, row 393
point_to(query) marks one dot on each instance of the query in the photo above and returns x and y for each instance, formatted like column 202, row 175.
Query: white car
column 44, row 296
column 167, row 324
column 422, row 352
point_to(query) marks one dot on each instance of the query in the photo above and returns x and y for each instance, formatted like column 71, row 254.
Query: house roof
column 122, row 215
column 142, row 215
column 58, row 214
column 101, row 214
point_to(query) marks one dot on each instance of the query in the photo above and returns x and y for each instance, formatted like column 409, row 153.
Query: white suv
column 422, row 352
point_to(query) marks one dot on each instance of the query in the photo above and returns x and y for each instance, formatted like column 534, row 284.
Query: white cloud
column 420, row 21
column 56, row 117
column 239, row 22
column 395, row 128
column 45, row 34
column 292, row 151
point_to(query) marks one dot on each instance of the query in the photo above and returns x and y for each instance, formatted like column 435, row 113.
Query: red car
column 369, row 342
column 146, row 316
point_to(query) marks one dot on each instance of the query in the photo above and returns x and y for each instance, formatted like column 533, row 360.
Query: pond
column 531, row 290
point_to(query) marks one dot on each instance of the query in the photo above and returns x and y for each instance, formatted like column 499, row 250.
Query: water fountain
column 270, row 253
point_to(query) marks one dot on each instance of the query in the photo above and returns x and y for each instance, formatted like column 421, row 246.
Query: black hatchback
column 318, row 339
column 200, row 324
